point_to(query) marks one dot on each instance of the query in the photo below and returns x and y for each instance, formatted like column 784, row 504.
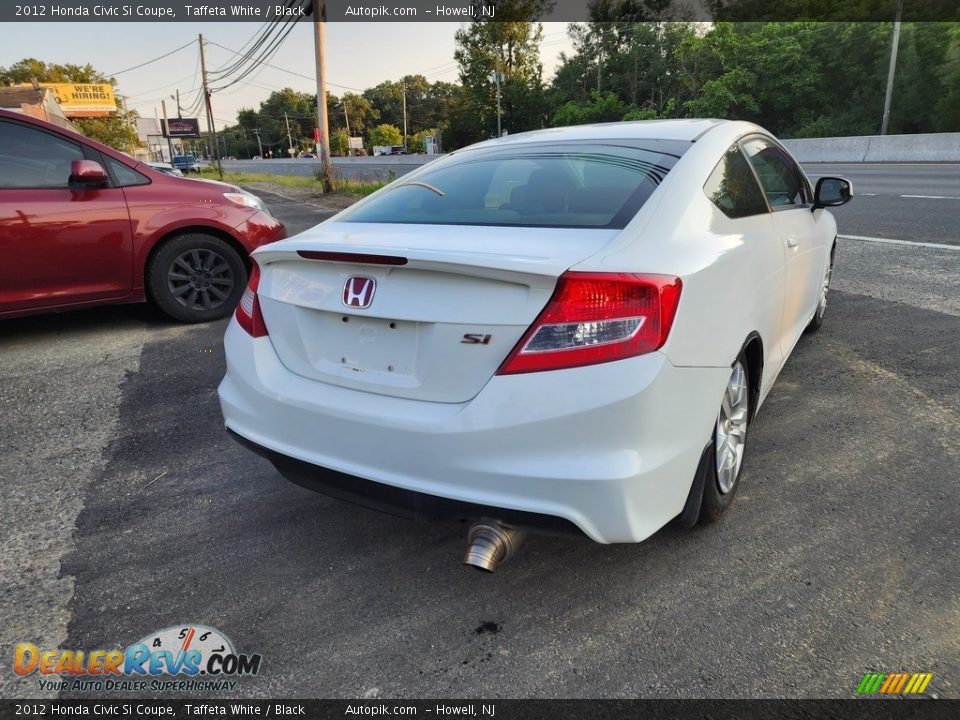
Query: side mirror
column 831, row 192
column 87, row 174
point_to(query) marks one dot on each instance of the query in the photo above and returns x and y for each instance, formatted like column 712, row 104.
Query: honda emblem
column 358, row 291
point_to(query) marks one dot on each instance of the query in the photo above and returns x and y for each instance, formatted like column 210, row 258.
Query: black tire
column 717, row 499
column 196, row 278
column 817, row 321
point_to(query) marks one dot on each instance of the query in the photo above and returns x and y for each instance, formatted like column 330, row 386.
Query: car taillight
column 596, row 318
column 249, row 316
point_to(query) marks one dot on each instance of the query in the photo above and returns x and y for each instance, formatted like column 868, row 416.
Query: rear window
column 585, row 185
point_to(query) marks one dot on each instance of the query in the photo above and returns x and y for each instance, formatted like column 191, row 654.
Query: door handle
column 793, row 242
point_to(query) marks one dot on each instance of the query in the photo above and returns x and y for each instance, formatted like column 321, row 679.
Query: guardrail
column 920, row 147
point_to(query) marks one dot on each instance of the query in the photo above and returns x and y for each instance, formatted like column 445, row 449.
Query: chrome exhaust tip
column 491, row 543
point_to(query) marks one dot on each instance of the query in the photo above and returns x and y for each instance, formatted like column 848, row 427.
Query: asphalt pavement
column 132, row 511
column 910, row 201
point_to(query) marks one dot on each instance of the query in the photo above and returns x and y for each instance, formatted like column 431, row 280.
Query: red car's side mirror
column 87, row 173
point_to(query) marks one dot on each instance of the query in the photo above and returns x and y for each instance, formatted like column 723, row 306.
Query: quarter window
column 123, row 175
column 733, row 188
column 781, row 179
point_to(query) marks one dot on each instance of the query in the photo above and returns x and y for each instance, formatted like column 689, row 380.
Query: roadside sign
column 182, row 128
column 78, row 100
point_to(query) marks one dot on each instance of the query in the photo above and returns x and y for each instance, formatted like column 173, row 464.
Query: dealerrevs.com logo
column 182, row 657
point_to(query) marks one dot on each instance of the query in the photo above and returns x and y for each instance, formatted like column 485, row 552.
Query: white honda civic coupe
column 568, row 330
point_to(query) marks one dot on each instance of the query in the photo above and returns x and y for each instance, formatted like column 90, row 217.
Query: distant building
column 154, row 143
column 35, row 102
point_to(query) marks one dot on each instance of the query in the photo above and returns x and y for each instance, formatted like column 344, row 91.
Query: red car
column 82, row 224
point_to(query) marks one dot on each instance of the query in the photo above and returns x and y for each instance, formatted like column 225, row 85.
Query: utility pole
column 320, row 42
column 289, row 139
column 211, row 128
column 179, row 110
column 894, row 45
column 166, row 129
column 256, row 131
column 404, row 115
column 496, row 79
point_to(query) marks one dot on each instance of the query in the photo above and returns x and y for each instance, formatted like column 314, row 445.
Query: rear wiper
column 421, row 183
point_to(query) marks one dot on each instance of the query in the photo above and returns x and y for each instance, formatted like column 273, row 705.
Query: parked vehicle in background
column 389, row 150
column 82, row 224
column 186, row 163
column 565, row 330
column 164, row 168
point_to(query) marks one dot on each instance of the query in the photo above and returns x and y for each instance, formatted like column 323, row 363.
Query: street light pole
column 496, row 79
column 891, row 72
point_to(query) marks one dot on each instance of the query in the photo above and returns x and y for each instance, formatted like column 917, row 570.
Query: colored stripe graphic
column 870, row 683
column 894, row 683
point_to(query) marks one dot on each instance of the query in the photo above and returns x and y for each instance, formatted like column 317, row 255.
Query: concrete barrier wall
column 922, row 147
column 385, row 160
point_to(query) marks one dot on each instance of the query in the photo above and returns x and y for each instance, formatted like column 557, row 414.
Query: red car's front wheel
column 196, row 278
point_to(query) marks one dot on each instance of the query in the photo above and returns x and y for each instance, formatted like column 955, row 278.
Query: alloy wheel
column 731, row 434
column 822, row 304
column 200, row 279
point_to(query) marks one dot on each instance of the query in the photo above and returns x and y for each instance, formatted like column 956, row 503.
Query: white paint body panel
column 611, row 447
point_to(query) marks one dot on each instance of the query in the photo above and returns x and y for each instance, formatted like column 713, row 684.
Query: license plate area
column 340, row 342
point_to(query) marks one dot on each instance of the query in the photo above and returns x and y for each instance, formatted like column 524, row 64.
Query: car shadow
column 94, row 319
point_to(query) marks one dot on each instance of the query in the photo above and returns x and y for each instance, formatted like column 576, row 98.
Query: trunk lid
column 437, row 327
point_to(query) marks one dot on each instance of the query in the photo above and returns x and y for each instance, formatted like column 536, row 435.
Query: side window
column 781, row 179
column 733, row 188
column 31, row 158
column 123, row 175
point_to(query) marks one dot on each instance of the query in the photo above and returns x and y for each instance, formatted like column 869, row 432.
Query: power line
column 165, row 55
column 291, row 72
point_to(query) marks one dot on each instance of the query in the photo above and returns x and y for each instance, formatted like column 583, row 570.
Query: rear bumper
column 400, row 501
column 611, row 449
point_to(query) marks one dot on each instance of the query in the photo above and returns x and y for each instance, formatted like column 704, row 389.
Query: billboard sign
column 182, row 128
column 78, row 100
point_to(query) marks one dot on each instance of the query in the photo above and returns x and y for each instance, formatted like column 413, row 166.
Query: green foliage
column 642, row 114
column 270, row 121
column 118, row 131
column 339, row 142
column 797, row 79
column 386, row 134
column 602, row 107
column 509, row 46
column 947, row 115
column 426, row 102
column 415, row 141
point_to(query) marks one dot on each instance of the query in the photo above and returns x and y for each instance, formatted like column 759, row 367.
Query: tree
column 118, row 131
column 603, row 107
column 947, row 113
column 415, row 142
column 510, row 46
column 339, row 142
column 386, row 135
column 359, row 112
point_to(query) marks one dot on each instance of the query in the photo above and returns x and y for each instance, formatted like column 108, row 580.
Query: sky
column 359, row 56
